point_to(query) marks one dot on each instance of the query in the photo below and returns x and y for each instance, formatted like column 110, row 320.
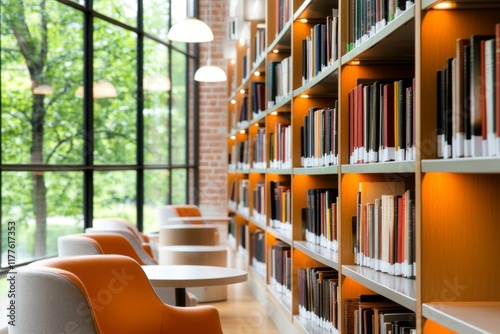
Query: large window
column 95, row 118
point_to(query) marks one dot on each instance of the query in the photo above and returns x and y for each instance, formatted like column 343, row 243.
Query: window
column 95, row 118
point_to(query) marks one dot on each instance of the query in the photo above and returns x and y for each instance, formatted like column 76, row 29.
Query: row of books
column 258, row 245
column 259, row 145
column 468, row 99
column 241, row 241
column 279, row 81
column 382, row 121
column 321, row 217
column 247, row 64
column 376, row 314
column 281, row 268
column 319, row 137
column 258, row 98
column 260, row 44
column 244, row 197
column 283, row 14
column 244, row 114
column 239, row 156
column 385, row 228
column 367, row 17
column 320, row 47
column 280, row 215
column 318, row 297
column 259, row 203
column 233, row 196
column 280, row 151
column 231, row 232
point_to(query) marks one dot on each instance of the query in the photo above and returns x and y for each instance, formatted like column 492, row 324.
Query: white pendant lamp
column 210, row 73
column 190, row 30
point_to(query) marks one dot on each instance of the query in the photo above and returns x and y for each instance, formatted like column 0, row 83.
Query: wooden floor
column 242, row 314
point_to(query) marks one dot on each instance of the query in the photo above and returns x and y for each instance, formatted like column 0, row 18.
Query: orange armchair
column 114, row 243
column 117, row 223
column 191, row 214
column 102, row 294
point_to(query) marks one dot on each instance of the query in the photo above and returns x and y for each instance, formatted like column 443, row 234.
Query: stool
column 198, row 255
column 188, row 234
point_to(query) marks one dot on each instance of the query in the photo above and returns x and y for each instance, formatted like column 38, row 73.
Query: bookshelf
column 454, row 230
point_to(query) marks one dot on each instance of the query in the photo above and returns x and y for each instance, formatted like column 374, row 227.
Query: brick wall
column 213, row 113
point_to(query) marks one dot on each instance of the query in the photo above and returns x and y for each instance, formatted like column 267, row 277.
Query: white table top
column 193, row 248
column 207, row 219
column 188, row 226
column 188, row 276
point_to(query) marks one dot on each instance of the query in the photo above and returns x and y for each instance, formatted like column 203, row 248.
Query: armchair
column 114, row 243
column 117, row 223
column 191, row 214
column 99, row 294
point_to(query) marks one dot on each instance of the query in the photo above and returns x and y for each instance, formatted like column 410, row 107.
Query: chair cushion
column 48, row 302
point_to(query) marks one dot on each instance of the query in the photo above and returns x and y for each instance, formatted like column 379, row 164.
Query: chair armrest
column 145, row 238
column 198, row 319
column 147, row 248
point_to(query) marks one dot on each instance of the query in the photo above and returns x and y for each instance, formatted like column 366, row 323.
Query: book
column 350, row 306
column 402, row 117
column 367, row 193
column 489, row 95
column 476, row 97
column 497, row 87
column 388, row 146
column 458, row 118
column 467, row 103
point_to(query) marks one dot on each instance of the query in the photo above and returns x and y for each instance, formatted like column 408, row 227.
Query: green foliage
column 52, row 34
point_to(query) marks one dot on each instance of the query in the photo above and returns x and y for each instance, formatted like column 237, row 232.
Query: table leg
column 180, row 297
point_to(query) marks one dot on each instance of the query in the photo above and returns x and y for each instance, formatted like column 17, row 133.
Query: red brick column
column 213, row 115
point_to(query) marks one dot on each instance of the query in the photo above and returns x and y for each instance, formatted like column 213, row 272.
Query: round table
column 181, row 277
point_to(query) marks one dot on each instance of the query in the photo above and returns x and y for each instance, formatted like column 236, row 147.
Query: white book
column 489, row 63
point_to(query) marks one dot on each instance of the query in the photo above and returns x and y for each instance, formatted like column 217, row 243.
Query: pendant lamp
column 210, row 73
column 190, row 30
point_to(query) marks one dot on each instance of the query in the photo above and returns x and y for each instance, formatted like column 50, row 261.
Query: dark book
column 448, row 108
column 272, row 85
column 440, row 112
column 323, row 47
column 458, row 114
column 467, row 104
column 402, row 117
column 317, row 49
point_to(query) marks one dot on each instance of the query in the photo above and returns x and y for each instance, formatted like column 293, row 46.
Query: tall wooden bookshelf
column 456, row 199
